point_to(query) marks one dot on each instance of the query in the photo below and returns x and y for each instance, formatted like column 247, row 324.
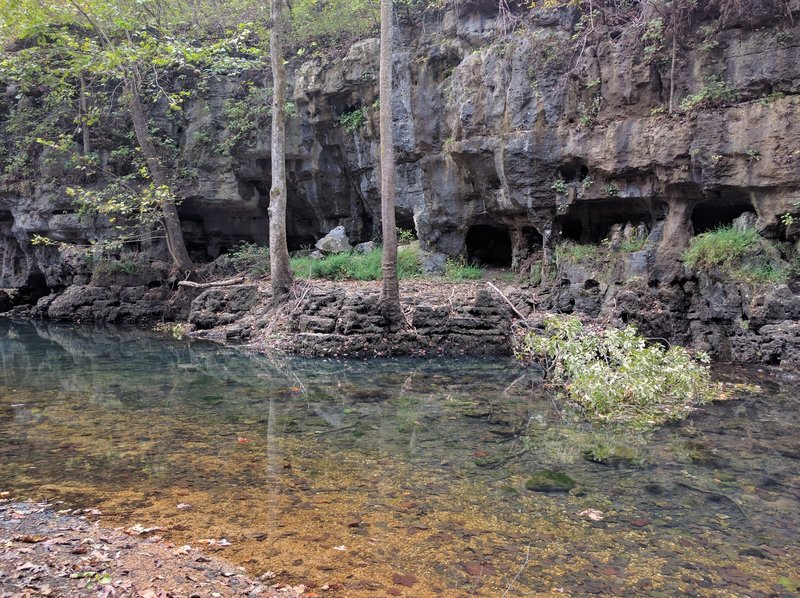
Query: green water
column 350, row 473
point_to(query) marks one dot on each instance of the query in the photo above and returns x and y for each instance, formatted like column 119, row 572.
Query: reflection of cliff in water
column 382, row 402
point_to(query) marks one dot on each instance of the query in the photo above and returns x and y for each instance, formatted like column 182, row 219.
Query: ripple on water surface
column 400, row 477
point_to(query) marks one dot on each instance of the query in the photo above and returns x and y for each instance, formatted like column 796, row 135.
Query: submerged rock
column 547, row 480
column 614, row 455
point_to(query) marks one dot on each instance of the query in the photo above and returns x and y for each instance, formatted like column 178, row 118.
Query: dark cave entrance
column 592, row 222
column 489, row 246
column 721, row 210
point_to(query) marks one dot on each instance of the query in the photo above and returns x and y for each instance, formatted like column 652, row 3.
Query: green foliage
column 709, row 34
column 772, row 97
column 353, row 120
column 559, row 185
column 590, row 112
column 250, row 258
column 245, row 115
column 738, row 254
column 100, row 264
column 405, row 236
column 715, row 92
column 724, row 246
column 334, row 20
column 357, row 266
column 176, row 330
column 653, row 38
column 635, row 243
column 576, row 253
column 616, row 375
column 459, row 269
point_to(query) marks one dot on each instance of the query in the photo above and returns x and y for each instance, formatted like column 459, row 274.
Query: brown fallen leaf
column 29, row 539
column 477, row 569
column 403, row 580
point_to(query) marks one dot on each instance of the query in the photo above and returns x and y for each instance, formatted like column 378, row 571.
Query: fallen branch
column 511, row 305
column 217, row 283
column 716, row 493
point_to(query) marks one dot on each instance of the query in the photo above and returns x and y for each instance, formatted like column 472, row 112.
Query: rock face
column 505, row 146
column 331, row 319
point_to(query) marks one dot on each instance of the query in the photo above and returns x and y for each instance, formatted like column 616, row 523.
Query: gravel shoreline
column 45, row 552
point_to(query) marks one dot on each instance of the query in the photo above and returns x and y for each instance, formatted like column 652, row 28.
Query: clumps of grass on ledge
column 616, row 375
column 357, row 266
column 741, row 254
column 459, row 269
column 576, row 253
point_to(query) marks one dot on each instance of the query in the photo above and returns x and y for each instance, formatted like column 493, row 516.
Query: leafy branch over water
column 616, row 375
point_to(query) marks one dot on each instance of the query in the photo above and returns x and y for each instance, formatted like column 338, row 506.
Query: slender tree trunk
column 87, row 142
column 172, row 224
column 390, row 294
column 674, row 57
column 280, row 271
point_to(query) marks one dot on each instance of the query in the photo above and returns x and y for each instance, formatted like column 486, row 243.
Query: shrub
column 405, row 236
column 616, row 375
column 715, row 92
column 250, row 258
column 559, row 185
column 352, row 121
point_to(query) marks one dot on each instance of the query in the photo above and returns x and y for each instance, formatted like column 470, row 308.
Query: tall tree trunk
column 172, row 224
column 390, row 293
column 280, row 271
column 674, row 58
column 87, row 142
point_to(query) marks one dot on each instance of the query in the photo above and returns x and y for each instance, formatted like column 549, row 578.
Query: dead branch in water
column 511, row 305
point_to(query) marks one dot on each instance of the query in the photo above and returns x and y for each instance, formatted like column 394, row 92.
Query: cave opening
column 592, row 222
column 571, row 230
column 489, row 246
column 721, row 210
column 404, row 221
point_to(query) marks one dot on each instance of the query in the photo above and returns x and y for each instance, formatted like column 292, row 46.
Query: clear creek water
column 352, row 473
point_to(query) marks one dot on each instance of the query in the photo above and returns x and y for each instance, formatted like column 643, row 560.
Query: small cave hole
column 591, row 284
column 489, row 246
column 404, row 220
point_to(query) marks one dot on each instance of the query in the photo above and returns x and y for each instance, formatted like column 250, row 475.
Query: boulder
column 335, row 241
column 366, row 247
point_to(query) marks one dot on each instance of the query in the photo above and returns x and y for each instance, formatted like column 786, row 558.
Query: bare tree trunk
column 87, row 142
column 674, row 57
column 280, row 271
column 390, row 294
column 172, row 224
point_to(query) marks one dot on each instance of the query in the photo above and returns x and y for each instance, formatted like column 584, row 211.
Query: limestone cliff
column 506, row 145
